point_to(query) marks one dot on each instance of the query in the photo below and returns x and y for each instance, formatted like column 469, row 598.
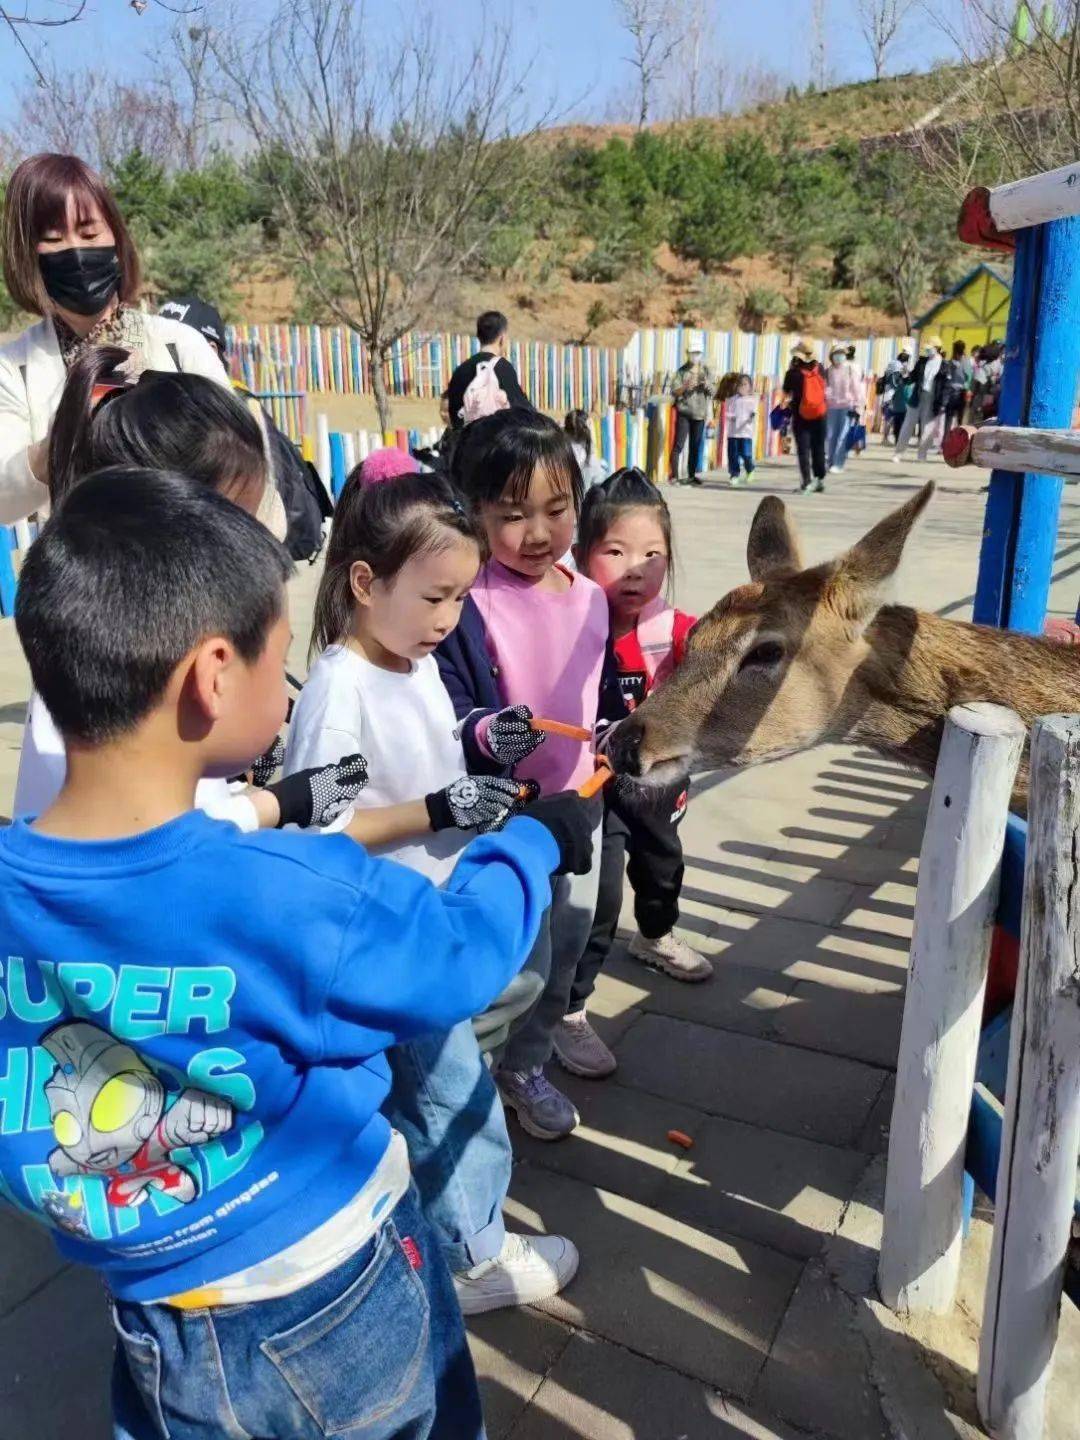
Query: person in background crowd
column 958, row 380
column 69, row 259
column 493, row 332
column 841, row 397
column 302, row 492
column 893, row 401
column 926, row 406
column 740, row 421
column 593, row 469
column 804, row 392
column 692, row 391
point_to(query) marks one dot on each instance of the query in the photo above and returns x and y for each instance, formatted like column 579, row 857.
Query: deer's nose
column 624, row 748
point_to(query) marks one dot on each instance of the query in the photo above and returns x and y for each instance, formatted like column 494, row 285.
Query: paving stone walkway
column 722, row 1291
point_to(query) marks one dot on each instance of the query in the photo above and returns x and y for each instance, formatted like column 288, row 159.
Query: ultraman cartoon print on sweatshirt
column 111, row 1118
column 125, row 1130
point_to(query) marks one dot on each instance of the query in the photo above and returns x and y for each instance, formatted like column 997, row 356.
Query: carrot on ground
column 679, row 1137
column 559, row 727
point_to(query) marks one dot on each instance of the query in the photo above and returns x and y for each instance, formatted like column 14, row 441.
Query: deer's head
column 777, row 665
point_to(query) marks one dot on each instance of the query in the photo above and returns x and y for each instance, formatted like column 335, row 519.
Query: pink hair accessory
column 388, row 464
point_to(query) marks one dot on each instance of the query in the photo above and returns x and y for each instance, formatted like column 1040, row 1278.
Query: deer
column 800, row 656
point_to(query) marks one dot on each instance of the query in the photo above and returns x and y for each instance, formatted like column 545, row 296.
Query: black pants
column 650, row 838
column 684, row 427
column 955, row 406
column 810, row 443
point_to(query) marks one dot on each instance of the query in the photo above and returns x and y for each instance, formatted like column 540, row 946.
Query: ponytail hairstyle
column 628, row 489
column 578, row 428
column 161, row 421
column 384, row 523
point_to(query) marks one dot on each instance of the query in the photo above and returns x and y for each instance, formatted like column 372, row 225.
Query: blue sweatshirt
column 193, row 1026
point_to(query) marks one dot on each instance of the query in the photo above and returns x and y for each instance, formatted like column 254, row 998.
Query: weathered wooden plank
column 1018, row 449
column 1037, row 198
column 1037, row 1172
column 955, row 905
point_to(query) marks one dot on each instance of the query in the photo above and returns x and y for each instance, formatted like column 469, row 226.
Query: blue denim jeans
column 836, row 428
column 740, row 450
column 443, row 1100
column 375, row 1350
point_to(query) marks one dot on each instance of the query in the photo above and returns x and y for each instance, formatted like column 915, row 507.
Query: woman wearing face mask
column 68, row 258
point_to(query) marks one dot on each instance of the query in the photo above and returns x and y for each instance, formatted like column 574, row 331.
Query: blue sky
column 573, row 47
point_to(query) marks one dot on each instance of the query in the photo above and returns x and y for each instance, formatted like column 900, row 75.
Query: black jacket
column 941, row 382
column 459, row 383
column 472, row 681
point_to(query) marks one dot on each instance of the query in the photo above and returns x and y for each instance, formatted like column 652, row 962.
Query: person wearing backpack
column 303, row 494
column 804, row 392
column 493, row 332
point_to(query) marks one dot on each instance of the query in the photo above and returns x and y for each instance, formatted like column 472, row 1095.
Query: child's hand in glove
column 315, row 797
column 508, row 734
column 479, row 802
column 267, row 766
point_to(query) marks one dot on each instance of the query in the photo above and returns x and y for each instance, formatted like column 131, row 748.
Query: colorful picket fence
column 332, row 359
column 285, row 362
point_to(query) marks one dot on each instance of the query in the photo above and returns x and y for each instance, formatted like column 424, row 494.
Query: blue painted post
column 337, row 464
column 8, row 583
column 1055, row 365
column 1003, row 502
column 1039, row 389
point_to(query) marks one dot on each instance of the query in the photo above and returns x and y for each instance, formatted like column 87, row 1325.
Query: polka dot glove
column 267, row 766
column 479, row 802
column 315, row 797
column 509, row 736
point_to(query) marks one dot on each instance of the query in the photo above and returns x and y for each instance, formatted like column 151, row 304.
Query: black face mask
column 82, row 279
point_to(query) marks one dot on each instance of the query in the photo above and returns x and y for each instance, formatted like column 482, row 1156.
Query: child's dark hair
column 132, row 571
column 499, row 455
column 578, row 428
column 628, row 489
column 384, row 524
column 165, row 421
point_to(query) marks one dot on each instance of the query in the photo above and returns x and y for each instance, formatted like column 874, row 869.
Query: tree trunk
column 378, row 389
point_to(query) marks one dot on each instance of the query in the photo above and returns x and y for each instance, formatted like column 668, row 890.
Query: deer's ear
column 772, row 549
column 864, row 571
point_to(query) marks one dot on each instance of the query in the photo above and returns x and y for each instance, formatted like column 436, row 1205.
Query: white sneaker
column 672, row 955
column 835, row 470
column 896, row 459
column 579, row 1049
column 527, row 1268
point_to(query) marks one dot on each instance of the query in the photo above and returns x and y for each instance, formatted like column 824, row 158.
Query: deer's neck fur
column 920, row 666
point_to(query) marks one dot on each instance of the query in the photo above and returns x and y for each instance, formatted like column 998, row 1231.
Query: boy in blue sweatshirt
column 193, row 1021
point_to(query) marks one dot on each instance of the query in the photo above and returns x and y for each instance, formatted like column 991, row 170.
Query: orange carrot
column 559, row 727
column 597, row 780
column 680, row 1138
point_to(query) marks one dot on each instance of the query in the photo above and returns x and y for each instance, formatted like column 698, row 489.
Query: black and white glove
column 509, row 736
column 315, row 797
column 478, row 802
column 267, row 766
column 570, row 821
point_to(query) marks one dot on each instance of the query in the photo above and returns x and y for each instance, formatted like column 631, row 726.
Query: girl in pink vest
column 624, row 545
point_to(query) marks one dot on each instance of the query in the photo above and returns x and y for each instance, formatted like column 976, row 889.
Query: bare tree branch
column 880, row 22
column 655, row 29
column 388, row 164
column 1015, row 108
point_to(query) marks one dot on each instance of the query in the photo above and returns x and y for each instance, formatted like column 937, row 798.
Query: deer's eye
column 769, row 652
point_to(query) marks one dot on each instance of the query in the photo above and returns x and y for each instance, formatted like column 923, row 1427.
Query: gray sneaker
column 671, row 954
column 579, row 1049
column 541, row 1109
